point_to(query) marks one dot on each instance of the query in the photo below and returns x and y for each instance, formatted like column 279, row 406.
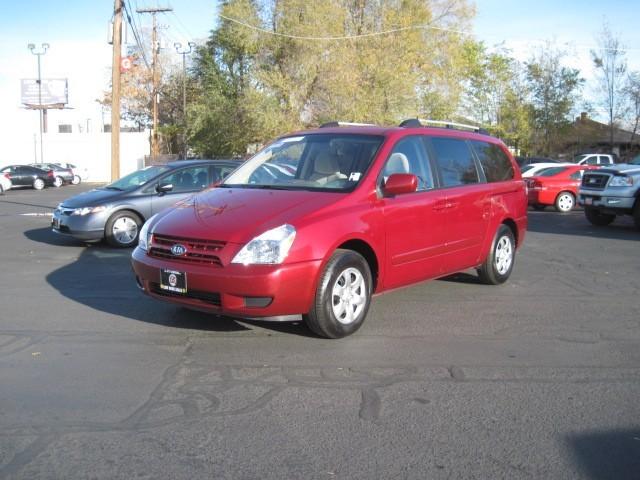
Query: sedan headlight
column 621, row 182
column 87, row 210
column 272, row 247
column 144, row 239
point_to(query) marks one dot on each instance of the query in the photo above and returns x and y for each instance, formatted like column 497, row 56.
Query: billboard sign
column 54, row 91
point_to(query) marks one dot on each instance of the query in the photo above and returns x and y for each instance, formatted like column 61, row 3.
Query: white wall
column 86, row 150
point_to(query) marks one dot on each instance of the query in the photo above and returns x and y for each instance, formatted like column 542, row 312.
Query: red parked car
column 556, row 186
column 319, row 221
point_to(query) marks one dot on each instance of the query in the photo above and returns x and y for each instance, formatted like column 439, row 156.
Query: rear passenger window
column 592, row 161
column 455, row 161
column 495, row 163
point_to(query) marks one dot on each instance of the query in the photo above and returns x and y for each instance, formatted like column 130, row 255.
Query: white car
column 5, row 184
column 79, row 174
column 535, row 168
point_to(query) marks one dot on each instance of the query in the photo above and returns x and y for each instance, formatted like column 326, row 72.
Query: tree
column 554, row 92
column 610, row 63
column 278, row 65
column 632, row 92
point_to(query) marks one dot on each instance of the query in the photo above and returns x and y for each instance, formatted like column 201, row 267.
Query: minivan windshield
column 137, row 178
column 329, row 162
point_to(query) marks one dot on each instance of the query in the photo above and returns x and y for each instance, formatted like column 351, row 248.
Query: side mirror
column 164, row 188
column 399, row 183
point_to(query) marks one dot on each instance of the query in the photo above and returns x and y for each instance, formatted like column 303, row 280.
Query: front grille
column 198, row 251
column 595, row 181
column 211, row 298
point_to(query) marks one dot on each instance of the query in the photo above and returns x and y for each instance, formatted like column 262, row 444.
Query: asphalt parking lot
column 538, row 378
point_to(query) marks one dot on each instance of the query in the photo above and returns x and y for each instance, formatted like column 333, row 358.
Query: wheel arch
column 367, row 252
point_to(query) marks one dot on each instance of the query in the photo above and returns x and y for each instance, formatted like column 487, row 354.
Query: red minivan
column 321, row 220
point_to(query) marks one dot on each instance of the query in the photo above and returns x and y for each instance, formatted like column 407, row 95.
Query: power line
column 341, row 37
column 394, row 30
column 136, row 36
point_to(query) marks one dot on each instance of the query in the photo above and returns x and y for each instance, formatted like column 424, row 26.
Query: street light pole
column 184, row 54
column 32, row 47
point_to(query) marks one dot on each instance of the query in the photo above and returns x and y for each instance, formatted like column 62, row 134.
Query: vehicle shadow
column 607, row 454
column 101, row 278
column 575, row 223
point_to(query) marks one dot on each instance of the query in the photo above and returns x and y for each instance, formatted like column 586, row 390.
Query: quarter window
column 495, row 163
column 410, row 156
column 455, row 162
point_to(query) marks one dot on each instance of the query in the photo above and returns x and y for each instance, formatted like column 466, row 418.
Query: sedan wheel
column 565, row 202
column 122, row 229
column 38, row 184
column 57, row 182
column 76, row 180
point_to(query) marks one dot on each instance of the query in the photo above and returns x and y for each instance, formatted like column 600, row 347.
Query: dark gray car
column 116, row 211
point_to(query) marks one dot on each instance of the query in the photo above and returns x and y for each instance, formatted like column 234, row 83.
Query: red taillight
column 7, row 176
column 50, row 173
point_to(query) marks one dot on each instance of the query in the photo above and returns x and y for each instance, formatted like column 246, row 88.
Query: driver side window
column 409, row 156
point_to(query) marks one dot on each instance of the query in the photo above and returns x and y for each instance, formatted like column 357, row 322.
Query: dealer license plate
column 173, row 281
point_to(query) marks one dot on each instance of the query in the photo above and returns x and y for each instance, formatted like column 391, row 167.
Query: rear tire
column 343, row 296
column 596, row 218
column 122, row 229
column 58, row 182
column 498, row 265
column 38, row 184
column 565, row 201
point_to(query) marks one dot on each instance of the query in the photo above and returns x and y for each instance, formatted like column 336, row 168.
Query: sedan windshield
column 309, row 162
column 137, row 178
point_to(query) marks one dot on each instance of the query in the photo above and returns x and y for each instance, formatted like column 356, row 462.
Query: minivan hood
column 92, row 198
column 237, row 215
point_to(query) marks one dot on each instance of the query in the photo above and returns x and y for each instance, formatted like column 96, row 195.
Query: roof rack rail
column 421, row 122
column 346, row 124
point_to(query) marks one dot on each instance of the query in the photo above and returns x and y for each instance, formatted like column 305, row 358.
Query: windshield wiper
column 109, row 187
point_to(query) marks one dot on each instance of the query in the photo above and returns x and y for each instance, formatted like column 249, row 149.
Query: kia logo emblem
column 178, row 250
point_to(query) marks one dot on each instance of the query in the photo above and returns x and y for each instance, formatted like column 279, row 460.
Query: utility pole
column 156, row 48
column 115, row 91
column 184, row 54
column 41, row 110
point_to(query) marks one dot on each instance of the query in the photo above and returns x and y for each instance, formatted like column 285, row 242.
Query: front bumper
column 248, row 291
column 86, row 228
column 599, row 199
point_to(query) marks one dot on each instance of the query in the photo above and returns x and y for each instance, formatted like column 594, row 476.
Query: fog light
column 257, row 302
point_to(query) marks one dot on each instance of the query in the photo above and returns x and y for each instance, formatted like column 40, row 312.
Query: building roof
column 587, row 131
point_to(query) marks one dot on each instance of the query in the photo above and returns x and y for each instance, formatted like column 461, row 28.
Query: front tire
column 565, row 201
column 76, row 180
column 498, row 265
column 122, row 229
column 596, row 218
column 38, row 184
column 636, row 215
column 343, row 296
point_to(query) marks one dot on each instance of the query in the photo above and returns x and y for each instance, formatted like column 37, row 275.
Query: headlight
column 87, row 210
column 272, row 247
column 621, row 182
column 144, row 239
